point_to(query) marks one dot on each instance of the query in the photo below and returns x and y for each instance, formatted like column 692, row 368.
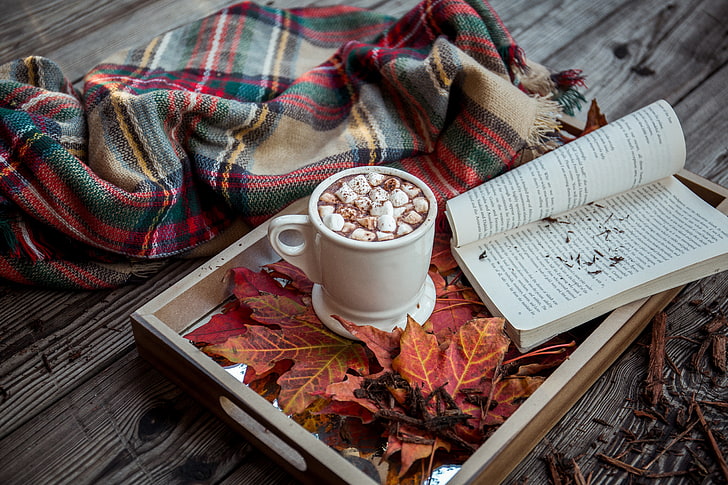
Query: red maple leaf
column 230, row 322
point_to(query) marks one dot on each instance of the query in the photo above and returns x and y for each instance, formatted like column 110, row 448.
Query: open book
column 586, row 228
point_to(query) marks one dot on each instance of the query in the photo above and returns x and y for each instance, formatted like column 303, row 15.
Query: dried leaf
column 455, row 305
column 412, row 447
column 420, row 360
column 345, row 392
column 474, row 354
column 595, row 119
column 384, row 345
column 320, row 357
column 230, row 322
column 509, row 393
column 442, row 257
column 294, row 275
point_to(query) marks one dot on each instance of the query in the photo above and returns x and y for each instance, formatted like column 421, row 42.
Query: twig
column 669, row 445
column 654, row 381
column 578, row 476
column 719, row 404
column 711, row 439
column 620, row 464
column 718, row 354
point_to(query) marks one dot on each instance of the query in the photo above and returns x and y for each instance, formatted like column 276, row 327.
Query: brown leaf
column 595, row 119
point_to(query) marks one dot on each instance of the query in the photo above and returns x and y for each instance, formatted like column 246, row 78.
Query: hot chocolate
column 373, row 207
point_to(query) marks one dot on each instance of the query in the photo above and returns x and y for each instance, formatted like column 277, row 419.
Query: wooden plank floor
column 78, row 405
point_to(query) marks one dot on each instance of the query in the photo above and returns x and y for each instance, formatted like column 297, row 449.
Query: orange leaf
column 420, row 360
column 595, row 119
column 296, row 277
column 344, row 392
column 509, row 393
column 411, row 452
column 474, row 354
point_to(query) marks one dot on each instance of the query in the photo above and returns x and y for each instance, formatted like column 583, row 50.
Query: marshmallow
column 410, row 189
column 375, row 178
column 346, row 194
column 373, row 207
column 335, row 222
column 421, row 204
column 412, row 217
column 360, row 185
column 403, row 229
column 348, row 212
column 364, row 203
column 325, row 210
column 398, row 197
column 360, row 234
column 381, row 208
column 378, row 194
column 390, row 184
column 386, row 223
column 368, row 222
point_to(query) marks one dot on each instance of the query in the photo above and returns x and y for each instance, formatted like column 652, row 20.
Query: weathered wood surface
column 78, row 405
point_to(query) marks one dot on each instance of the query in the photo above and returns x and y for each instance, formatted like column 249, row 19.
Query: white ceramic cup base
column 420, row 310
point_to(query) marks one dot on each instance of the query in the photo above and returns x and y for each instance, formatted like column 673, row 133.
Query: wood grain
column 78, row 405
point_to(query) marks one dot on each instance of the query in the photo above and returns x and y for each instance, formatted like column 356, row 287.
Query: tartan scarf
column 223, row 122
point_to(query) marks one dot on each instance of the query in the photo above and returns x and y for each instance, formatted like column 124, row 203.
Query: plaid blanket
column 231, row 118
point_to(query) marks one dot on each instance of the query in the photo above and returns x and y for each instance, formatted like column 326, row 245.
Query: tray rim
column 160, row 322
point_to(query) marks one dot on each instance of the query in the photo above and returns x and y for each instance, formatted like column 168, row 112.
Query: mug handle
column 302, row 254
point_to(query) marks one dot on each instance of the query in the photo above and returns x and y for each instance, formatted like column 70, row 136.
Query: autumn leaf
column 384, row 345
column 442, row 258
column 595, row 119
column 320, row 356
column 231, row 321
column 474, row 354
column 508, row 394
column 294, row 275
column 454, row 305
column 247, row 283
column 420, row 360
column 411, row 452
column 345, row 392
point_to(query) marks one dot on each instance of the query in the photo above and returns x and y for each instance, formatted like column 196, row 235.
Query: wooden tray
column 159, row 325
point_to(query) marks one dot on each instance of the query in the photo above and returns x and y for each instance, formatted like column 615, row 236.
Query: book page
column 642, row 147
column 546, row 270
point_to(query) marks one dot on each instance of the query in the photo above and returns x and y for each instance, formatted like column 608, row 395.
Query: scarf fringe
column 568, row 79
column 570, row 100
column 17, row 242
column 548, row 112
column 514, row 57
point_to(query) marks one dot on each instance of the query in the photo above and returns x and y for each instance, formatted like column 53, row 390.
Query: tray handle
column 268, row 438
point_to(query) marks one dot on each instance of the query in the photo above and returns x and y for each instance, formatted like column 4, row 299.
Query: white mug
column 377, row 283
